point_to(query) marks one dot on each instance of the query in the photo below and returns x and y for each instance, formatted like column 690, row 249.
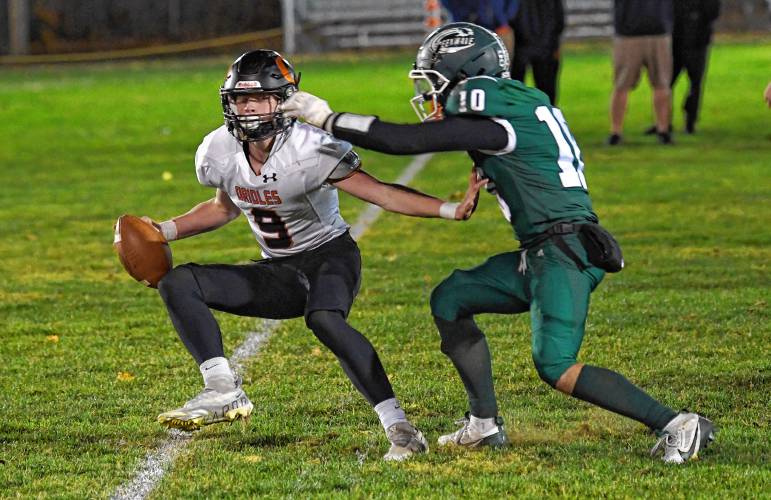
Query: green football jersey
column 538, row 178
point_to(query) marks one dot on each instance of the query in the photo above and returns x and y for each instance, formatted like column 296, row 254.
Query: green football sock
column 465, row 344
column 612, row 391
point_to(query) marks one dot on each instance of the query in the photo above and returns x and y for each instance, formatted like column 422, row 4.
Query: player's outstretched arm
column 203, row 217
column 454, row 133
column 407, row 201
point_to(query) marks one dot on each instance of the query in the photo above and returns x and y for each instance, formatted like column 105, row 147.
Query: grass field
column 89, row 357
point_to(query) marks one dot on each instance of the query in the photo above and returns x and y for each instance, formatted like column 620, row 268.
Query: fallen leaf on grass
column 125, row 377
column 52, row 338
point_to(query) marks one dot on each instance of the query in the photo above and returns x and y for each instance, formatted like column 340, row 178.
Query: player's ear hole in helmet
column 449, row 55
column 258, row 73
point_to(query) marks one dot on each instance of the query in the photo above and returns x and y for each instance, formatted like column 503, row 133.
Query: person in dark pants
column 691, row 36
column 537, row 29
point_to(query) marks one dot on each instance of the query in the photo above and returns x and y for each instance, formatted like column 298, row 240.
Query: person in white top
column 283, row 176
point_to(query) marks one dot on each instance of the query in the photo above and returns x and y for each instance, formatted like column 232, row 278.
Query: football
column 142, row 249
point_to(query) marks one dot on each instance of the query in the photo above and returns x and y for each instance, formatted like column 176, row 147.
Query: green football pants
column 542, row 280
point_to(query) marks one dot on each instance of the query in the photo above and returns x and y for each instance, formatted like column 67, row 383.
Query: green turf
column 688, row 319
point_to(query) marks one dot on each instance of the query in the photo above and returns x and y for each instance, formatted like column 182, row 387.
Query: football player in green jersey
column 523, row 146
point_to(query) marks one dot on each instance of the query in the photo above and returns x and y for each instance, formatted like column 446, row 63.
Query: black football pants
column 319, row 284
column 694, row 62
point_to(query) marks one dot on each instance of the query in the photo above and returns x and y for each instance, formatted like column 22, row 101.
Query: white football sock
column 390, row 412
column 217, row 374
column 484, row 426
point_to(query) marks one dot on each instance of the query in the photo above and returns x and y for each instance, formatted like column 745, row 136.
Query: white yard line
column 157, row 462
column 154, row 466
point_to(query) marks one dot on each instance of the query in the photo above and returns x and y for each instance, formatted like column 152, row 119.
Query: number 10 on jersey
column 569, row 161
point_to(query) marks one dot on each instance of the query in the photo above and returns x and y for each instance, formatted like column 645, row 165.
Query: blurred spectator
column 491, row 14
column 767, row 94
column 538, row 25
column 691, row 36
column 643, row 38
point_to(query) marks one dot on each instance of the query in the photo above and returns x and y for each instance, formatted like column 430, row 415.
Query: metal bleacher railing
column 344, row 24
column 588, row 18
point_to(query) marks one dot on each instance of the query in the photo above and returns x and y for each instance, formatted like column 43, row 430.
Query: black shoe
column 653, row 130
column 690, row 128
column 665, row 138
column 614, row 139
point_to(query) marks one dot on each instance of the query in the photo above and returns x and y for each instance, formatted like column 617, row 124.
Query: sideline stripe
column 157, row 462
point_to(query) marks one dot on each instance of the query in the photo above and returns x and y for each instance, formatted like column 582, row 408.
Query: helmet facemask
column 430, row 86
column 254, row 127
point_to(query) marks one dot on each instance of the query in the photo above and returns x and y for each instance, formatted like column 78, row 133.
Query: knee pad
column 323, row 323
column 550, row 365
column 457, row 334
column 445, row 301
column 179, row 279
column 350, row 346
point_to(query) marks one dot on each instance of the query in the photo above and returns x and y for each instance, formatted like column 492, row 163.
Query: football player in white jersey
column 283, row 176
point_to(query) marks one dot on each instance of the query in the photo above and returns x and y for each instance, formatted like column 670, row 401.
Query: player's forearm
column 407, row 201
column 204, row 217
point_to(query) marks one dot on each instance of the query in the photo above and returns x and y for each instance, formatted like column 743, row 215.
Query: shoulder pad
column 349, row 164
column 330, row 146
column 219, row 144
column 474, row 96
column 212, row 155
column 493, row 97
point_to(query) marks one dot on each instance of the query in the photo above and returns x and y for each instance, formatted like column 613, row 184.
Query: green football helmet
column 449, row 55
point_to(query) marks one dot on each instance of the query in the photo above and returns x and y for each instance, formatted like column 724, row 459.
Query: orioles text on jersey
column 253, row 196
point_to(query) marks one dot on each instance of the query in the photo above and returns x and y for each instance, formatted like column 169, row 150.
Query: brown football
column 142, row 249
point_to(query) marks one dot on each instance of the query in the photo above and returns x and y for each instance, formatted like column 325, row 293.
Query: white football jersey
column 290, row 206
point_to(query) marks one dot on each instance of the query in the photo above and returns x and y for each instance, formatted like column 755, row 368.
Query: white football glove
column 307, row 106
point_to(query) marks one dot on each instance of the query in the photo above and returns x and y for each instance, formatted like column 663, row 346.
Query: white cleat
column 405, row 440
column 468, row 437
column 209, row 407
column 684, row 437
